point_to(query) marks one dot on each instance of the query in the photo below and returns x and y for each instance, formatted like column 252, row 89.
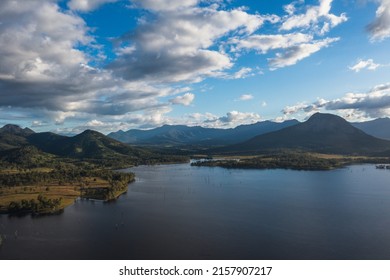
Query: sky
column 71, row 65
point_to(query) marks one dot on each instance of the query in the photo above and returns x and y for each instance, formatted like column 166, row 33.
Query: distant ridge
column 379, row 128
column 166, row 134
column 325, row 133
column 196, row 135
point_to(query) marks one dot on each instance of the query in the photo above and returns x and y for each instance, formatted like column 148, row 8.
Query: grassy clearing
column 18, row 171
column 17, row 194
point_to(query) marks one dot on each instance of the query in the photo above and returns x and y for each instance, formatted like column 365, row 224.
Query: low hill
column 324, row 133
column 26, row 156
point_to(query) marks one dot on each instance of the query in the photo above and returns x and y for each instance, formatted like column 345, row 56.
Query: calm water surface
column 184, row 212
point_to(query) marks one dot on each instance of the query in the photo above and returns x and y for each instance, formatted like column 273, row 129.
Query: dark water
column 184, row 212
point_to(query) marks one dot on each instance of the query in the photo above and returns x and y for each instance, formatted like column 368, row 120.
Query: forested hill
column 23, row 146
column 324, row 133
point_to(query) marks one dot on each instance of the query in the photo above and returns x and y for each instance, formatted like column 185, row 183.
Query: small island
column 293, row 160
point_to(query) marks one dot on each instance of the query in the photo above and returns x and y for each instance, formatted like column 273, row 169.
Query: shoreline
column 289, row 161
column 52, row 198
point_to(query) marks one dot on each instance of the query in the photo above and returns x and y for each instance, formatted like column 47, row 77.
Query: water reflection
column 184, row 212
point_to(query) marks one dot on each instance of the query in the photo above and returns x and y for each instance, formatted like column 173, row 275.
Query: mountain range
column 196, row 135
column 24, row 146
column 324, row 133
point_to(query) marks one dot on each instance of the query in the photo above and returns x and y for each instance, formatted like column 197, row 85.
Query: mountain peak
column 327, row 123
column 324, row 133
column 325, row 116
column 16, row 129
column 90, row 132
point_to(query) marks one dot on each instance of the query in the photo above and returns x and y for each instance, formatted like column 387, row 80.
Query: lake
column 183, row 212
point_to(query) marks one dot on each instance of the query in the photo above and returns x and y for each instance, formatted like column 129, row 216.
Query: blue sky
column 71, row 65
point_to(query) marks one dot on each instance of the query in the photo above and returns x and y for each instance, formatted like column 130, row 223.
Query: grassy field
column 17, row 194
column 17, row 171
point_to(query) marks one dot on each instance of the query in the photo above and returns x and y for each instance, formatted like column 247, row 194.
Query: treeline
column 29, row 157
column 39, row 206
column 293, row 161
column 60, row 175
column 37, row 178
column 124, row 162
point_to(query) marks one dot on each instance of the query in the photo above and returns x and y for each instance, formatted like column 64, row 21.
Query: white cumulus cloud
column 184, row 100
column 374, row 103
column 246, row 97
column 243, row 73
column 318, row 18
column 380, row 27
column 165, row 5
column 294, row 54
column 306, row 34
column 50, row 62
column 264, row 43
column 87, row 5
column 177, row 45
column 231, row 119
column 368, row 64
column 235, row 118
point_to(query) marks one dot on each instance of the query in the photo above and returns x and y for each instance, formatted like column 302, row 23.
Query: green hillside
column 323, row 133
